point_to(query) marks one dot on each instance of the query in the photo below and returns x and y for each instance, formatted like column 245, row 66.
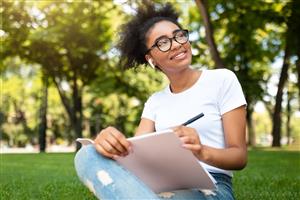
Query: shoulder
column 221, row 73
column 157, row 95
column 221, row 78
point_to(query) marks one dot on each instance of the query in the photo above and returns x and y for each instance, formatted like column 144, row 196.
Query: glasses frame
column 171, row 40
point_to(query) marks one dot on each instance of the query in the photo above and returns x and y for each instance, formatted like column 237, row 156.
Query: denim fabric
column 108, row 180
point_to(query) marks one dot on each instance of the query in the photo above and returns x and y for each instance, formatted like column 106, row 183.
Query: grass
column 40, row 176
column 269, row 175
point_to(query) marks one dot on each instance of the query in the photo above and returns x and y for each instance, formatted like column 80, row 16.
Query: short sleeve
column 231, row 95
column 148, row 111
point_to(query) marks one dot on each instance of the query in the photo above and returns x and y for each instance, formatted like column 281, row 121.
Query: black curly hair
column 132, row 41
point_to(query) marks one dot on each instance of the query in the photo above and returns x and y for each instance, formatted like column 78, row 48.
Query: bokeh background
column 61, row 79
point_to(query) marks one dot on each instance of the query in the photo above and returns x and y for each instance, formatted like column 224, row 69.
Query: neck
column 183, row 80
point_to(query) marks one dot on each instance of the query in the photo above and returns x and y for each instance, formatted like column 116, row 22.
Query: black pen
column 193, row 119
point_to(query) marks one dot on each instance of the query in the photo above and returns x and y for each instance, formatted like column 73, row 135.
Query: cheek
column 188, row 46
column 189, row 49
column 161, row 57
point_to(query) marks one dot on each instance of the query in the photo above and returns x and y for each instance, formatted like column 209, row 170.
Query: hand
column 189, row 138
column 112, row 143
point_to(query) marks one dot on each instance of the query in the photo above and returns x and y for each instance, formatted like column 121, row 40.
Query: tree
column 16, row 29
column 70, row 49
column 43, row 114
column 209, row 33
column 298, row 73
column 292, row 42
column 276, row 130
column 247, row 45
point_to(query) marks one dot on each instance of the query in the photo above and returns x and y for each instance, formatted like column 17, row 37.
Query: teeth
column 179, row 55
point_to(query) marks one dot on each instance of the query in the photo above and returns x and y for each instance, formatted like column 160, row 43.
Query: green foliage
column 14, row 22
column 120, row 96
column 21, row 98
column 73, row 43
column 20, row 93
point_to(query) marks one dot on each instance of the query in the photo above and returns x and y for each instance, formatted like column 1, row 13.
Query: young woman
column 218, row 140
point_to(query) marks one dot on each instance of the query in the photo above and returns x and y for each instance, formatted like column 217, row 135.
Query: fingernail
column 115, row 157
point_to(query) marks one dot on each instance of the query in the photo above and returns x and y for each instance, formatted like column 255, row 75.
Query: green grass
column 40, row 176
column 269, row 175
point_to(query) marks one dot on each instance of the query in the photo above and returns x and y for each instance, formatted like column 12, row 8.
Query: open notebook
column 159, row 160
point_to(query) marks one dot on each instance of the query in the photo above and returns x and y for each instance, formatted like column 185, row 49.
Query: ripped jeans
column 108, row 180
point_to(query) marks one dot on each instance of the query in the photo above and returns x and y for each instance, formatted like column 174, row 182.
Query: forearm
column 232, row 158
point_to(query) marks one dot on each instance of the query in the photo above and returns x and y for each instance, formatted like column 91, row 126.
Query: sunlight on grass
column 40, row 176
column 269, row 175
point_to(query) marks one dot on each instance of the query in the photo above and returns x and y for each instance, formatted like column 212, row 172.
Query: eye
column 180, row 34
column 163, row 41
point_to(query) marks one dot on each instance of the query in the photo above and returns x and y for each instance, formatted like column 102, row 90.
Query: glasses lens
column 182, row 36
column 164, row 44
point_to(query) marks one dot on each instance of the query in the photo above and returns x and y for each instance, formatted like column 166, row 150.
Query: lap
column 108, row 180
column 223, row 191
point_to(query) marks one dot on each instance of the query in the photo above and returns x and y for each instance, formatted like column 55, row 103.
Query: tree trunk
column 251, row 130
column 288, row 114
column 276, row 129
column 209, row 33
column 43, row 115
column 298, row 72
column 77, row 117
column 21, row 118
column 74, row 109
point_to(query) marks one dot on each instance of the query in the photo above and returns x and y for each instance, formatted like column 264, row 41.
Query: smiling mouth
column 178, row 56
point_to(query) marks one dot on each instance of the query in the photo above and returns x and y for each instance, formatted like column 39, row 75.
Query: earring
column 151, row 63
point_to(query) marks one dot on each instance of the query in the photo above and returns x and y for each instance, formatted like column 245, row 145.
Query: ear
column 150, row 61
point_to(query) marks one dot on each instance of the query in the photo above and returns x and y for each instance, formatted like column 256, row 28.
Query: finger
column 175, row 128
column 116, row 144
column 109, row 148
column 122, row 140
column 187, row 140
column 102, row 151
column 192, row 147
column 179, row 132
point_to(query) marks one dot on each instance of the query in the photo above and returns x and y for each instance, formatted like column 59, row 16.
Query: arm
column 145, row 126
column 234, row 156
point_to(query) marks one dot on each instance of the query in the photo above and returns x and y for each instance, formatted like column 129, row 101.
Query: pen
column 193, row 119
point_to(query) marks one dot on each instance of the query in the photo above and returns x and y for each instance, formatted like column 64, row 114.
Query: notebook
column 159, row 160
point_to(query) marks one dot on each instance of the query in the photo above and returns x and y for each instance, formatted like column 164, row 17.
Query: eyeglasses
column 164, row 43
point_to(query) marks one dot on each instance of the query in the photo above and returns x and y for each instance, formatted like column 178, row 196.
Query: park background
column 60, row 80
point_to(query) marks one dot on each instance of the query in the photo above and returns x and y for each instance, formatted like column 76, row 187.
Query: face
column 178, row 57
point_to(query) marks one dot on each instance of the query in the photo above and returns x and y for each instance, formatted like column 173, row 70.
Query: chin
column 185, row 62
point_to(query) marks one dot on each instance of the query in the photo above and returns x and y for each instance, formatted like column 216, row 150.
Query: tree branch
column 203, row 8
column 64, row 99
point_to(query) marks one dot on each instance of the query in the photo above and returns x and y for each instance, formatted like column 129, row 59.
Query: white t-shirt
column 215, row 93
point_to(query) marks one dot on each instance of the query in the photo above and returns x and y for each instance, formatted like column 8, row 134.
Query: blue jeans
column 108, row 180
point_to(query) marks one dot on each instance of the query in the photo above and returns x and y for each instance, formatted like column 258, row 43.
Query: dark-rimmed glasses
column 164, row 43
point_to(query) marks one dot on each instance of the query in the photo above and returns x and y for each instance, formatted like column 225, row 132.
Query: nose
column 175, row 44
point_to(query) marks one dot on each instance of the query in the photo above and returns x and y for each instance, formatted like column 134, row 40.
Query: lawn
column 269, row 175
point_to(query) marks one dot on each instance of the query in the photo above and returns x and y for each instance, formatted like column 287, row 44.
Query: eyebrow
column 162, row 36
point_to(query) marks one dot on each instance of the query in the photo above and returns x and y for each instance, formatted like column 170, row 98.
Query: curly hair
column 132, row 40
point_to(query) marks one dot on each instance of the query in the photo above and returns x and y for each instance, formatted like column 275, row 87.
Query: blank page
column 160, row 161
